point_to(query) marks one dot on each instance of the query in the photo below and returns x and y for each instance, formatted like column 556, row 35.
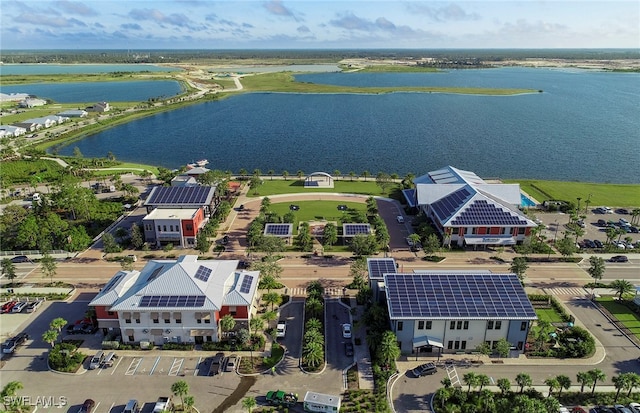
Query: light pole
column 586, row 204
column 578, row 208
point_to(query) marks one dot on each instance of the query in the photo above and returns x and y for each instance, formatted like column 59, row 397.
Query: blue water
column 19, row 69
column 139, row 90
column 585, row 126
column 526, row 201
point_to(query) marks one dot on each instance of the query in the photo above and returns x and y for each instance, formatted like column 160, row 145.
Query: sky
column 318, row 24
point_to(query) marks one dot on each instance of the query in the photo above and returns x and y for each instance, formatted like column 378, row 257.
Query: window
column 159, row 228
column 466, row 325
column 463, row 345
column 498, row 325
column 490, row 325
column 209, row 338
column 111, row 312
column 429, row 325
column 452, row 325
column 171, row 228
column 137, row 321
column 474, row 230
column 189, row 227
column 178, row 320
column 400, row 325
column 164, row 228
column 421, row 325
column 459, row 326
column 131, row 338
column 523, row 326
column 456, row 345
column 156, row 321
column 207, row 321
column 127, row 320
column 450, row 345
column 521, row 231
column 232, row 310
column 167, row 321
column 503, row 230
column 198, row 320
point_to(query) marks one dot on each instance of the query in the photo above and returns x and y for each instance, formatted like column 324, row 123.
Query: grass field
column 295, row 185
column 548, row 314
column 320, row 210
column 23, row 171
column 622, row 314
column 615, row 195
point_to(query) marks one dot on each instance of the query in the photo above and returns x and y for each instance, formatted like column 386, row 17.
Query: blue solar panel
column 457, row 296
column 112, row 283
column 448, row 205
column 380, row 266
column 481, row 212
column 355, row 229
column 203, row 273
column 155, row 273
column 278, row 229
column 179, row 195
column 172, row 301
column 246, row 284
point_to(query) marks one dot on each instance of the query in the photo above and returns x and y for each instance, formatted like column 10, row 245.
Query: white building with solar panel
column 454, row 312
column 178, row 301
column 469, row 211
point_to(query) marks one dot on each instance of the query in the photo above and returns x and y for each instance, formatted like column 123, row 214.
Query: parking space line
column 133, row 366
column 111, row 408
column 176, row 366
column 97, row 405
column 154, row 366
column 197, row 369
column 116, row 366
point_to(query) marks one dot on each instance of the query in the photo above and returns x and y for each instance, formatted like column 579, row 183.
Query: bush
column 177, row 346
column 65, row 357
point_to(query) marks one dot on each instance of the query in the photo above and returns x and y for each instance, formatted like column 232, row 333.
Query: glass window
column 131, row 338
column 498, row 325
column 421, row 325
column 127, row 320
column 463, row 344
column 457, row 345
column 521, row 230
column 137, row 321
column 459, row 326
column 466, row 325
column 490, row 325
column 452, row 325
column 428, row 325
column 523, row 326
column 156, row 321
column 400, row 325
column 167, row 321
column 450, row 345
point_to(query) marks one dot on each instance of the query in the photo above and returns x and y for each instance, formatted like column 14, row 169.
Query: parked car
column 424, row 370
column 6, row 307
column 589, row 244
column 20, row 259
column 346, row 330
column 635, row 407
column 18, row 307
column 216, row 364
column 34, row 305
column 599, row 210
column 293, row 207
column 622, row 211
column 231, row 363
column 598, row 243
column 87, row 406
column 601, row 223
column 578, row 409
column 622, row 409
column 12, row 344
column 619, row 258
column 348, row 349
column 400, row 219
column 634, row 229
column 281, row 328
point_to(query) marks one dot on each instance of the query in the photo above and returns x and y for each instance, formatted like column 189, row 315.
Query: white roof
column 172, row 213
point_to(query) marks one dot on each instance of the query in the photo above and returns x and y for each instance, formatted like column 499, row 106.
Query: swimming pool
column 526, row 201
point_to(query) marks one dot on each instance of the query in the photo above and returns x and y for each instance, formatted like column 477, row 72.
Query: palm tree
column 270, row 172
column 634, row 216
column 352, row 175
column 621, row 287
column 256, row 324
column 443, row 394
column 180, row 388
column 243, row 172
column 285, row 174
column 596, row 376
column 336, row 173
column 388, row 350
column 553, row 384
column 269, row 316
column 313, row 307
column 471, row 379
column 366, row 174
column 272, row 298
column 50, row 336
column 249, row 403
column 483, row 380
column 619, row 382
column 564, row 383
column 584, row 379
column 313, row 353
column 504, row 385
column 300, row 173
column 632, row 382
column 596, row 269
column 313, row 324
column 189, row 401
column 9, row 392
column 57, row 324
column 523, row 380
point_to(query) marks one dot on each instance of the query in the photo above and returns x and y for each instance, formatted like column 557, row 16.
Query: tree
column 359, row 272
column 227, row 323
column 471, row 379
column 622, row 287
column 58, row 324
column 523, row 380
column 596, row 376
column 300, row 173
column 189, row 401
column 256, row 324
column 566, row 246
column 585, row 379
column 619, row 382
column 388, row 350
column 8, row 270
column 364, row 245
column 10, row 391
column 249, row 403
column 313, row 353
column 127, row 263
column 181, row 389
column 270, row 172
column 269, row 316
column 596, row 268
column 136, row 237
column 109, row 244
column 313, row 307
column 443, row 394
column 553, row 384
column 519, row 266
column 504, row 385
column 384, row 181
column 313, row 324
column 365, row 174
column 50, row 336
column 330, row 234
column 285, row 174
column 272, row 298
column 431, row 244
column 503, row 347
column 483, row 380
column 49, row 266
column 202, row 242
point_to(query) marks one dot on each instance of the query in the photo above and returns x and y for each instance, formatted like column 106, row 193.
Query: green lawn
column 295, row 185
column 319, row 210
column 618, row 195
column 548, row 314
column 622, row 313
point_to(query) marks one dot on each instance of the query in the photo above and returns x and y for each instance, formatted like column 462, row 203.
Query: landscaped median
column 625, row 314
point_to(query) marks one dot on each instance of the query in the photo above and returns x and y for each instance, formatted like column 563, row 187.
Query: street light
column 586, row 204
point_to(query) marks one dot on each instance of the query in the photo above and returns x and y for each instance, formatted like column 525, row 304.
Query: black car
column 598, row 243
column 20, row 259
column 634, row 230
column 342, row 207
column 622, row 211
column 601, row 223
column 619, row 258
column 87, row 406
column 348, row 349
column 216, row 364
column 424, row 370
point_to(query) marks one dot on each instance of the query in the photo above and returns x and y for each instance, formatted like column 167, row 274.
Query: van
column 108, row 360
column 131, row 407
column 96, row 360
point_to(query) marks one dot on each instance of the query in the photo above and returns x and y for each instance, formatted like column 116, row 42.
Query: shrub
column 65, row 357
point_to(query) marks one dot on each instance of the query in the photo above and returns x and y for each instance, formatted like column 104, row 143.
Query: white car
column 346, row 330
column 281, row 329
column 635, row 407
column 400, row 219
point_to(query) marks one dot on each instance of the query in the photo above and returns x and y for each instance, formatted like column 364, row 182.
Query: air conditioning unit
column 168, row 331
column 145, row 331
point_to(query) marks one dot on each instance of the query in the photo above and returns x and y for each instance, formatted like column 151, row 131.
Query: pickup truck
column 280, row 398
column 162, row 404
column 12, row 344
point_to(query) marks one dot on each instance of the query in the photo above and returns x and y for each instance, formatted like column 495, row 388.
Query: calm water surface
column 46, row 69
column 584, row 126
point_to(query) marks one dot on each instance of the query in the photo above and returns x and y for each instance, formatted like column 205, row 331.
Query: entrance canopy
column 427, row 341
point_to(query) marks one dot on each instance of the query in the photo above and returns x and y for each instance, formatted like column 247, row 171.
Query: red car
column 7, row 307
column 578, row 410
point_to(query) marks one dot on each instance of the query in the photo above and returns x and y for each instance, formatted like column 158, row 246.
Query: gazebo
column 318, row 179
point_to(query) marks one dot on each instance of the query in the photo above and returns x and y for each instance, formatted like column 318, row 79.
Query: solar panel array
column 179, row 195
column 448, row 205
column 155, row 273
column 112, row 283
column 172, row 301
column 481, row 212
column 203, row 273
column 463, row 296
column 355, row 229
column 379, row 267
column 278, row 229
column 246, row 284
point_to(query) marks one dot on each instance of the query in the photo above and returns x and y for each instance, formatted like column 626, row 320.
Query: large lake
column 47, row 69
column 584, row 126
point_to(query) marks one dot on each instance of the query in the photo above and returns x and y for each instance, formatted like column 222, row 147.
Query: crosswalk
column 567, row 291
column 302, row 292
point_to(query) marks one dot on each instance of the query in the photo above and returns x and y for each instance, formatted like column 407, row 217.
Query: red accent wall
column 461, row 231
column 102, row 312
column 242, row 312
column 514, row 232
column 495, row 231
column 482, row 230
column 195, row 224
column 527, row 231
